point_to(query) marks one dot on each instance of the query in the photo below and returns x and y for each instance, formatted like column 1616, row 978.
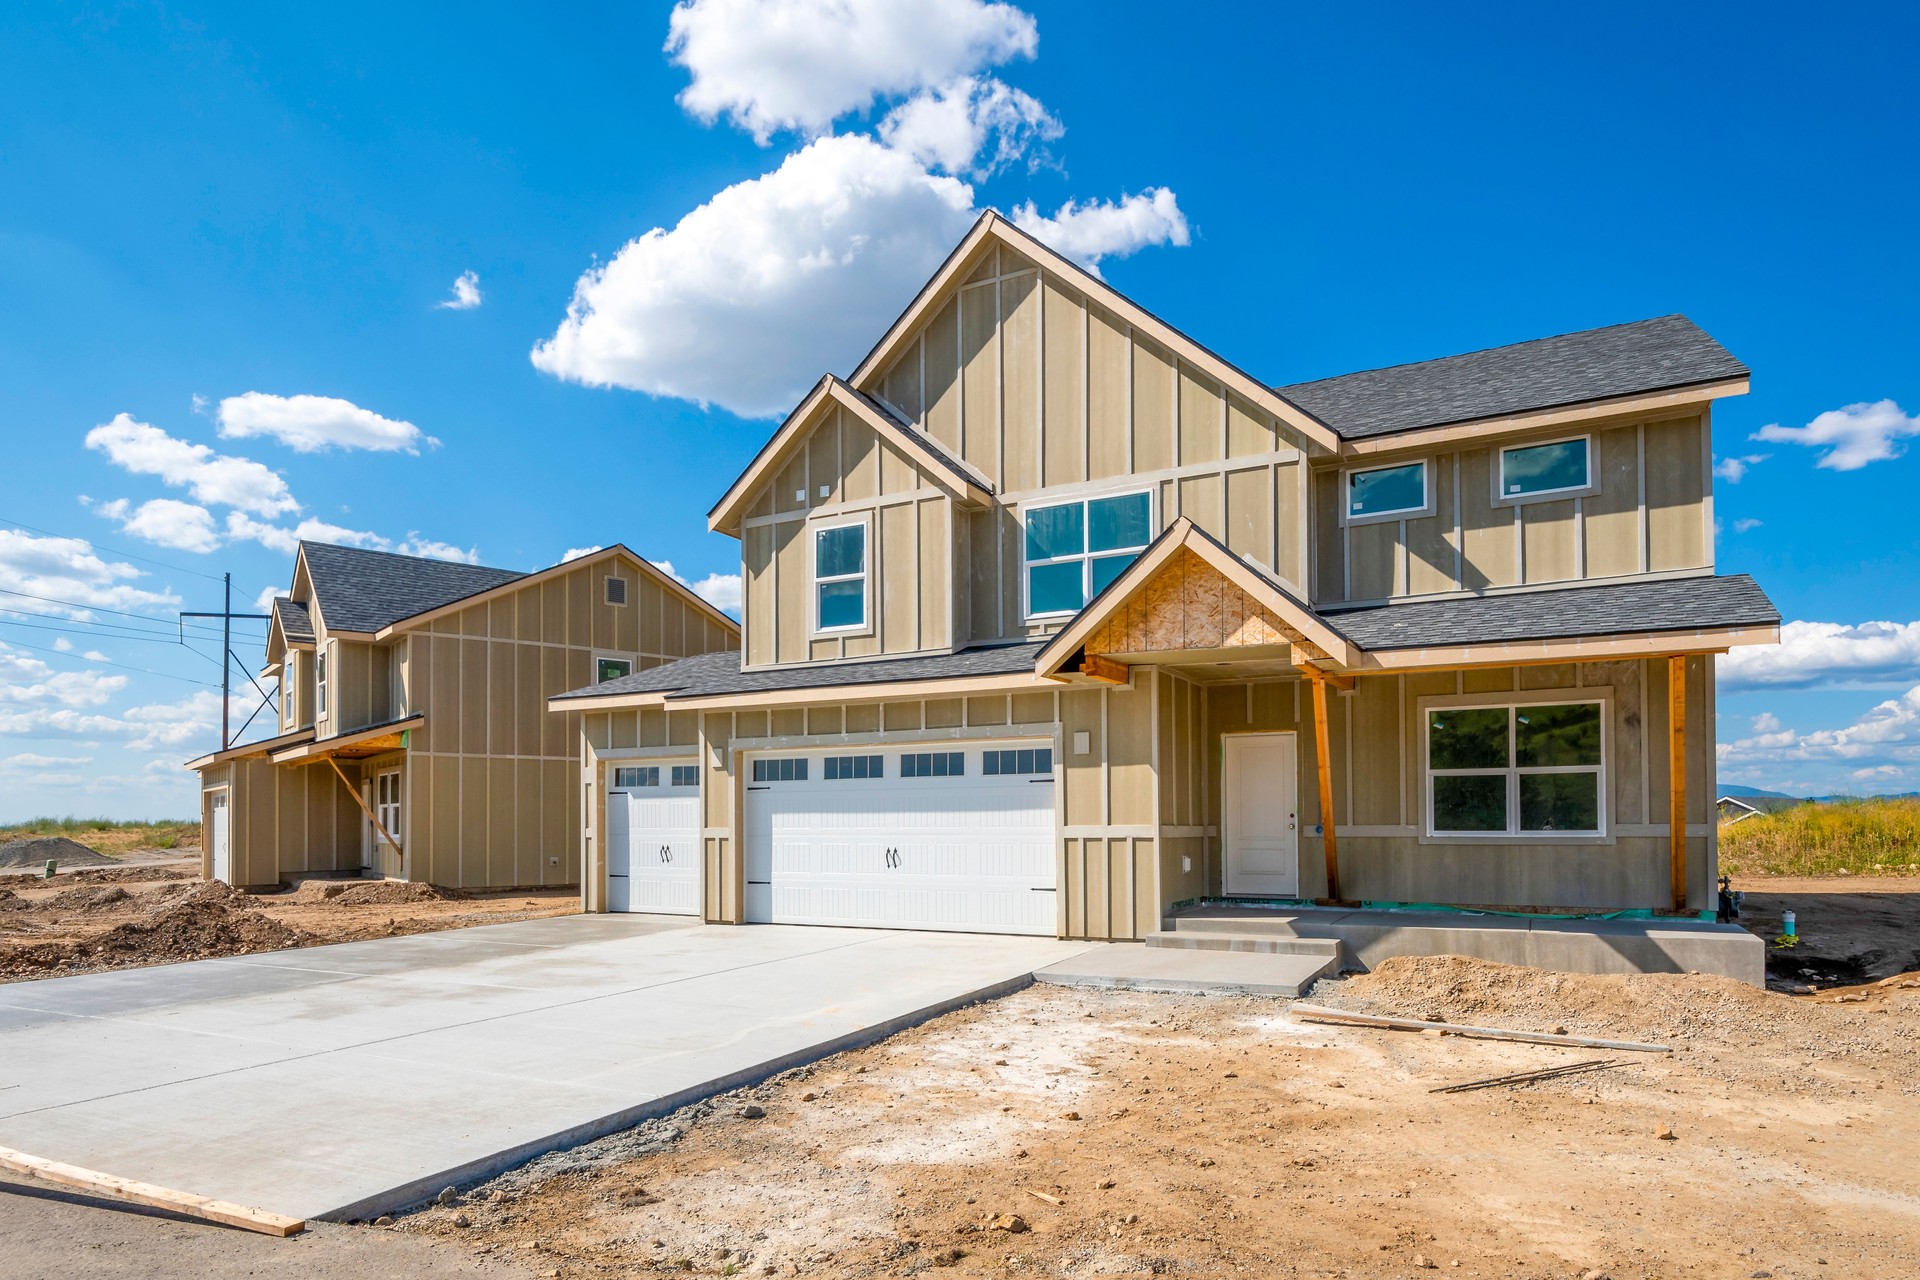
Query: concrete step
column 1131, row 967
column 1245, row 924
column 1267, row 943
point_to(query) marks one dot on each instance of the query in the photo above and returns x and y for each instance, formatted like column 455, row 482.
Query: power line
column 113, row 551
column 95, row 662
column 76, row 604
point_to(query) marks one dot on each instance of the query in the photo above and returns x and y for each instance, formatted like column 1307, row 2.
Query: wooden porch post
column 1677, row 776
column 1323, row 762
column 359, row 800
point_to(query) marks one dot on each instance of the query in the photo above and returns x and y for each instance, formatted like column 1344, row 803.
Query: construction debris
column 232, row 1215
column 1531, row 1077
column 1317, row 1013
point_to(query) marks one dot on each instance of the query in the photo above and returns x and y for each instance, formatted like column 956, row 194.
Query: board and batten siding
column 1649, row 513
column 283, row 820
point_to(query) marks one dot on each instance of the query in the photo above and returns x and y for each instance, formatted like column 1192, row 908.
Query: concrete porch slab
column 340, row 1081
column 1131, row 967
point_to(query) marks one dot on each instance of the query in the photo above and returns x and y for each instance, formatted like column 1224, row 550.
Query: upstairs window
column 1516, row 770
column 289, row 687
column 1074, row 549
column 840, row 578
column 605, row 669
column 320, row 683
column 1535, row 469
column 1387, row 491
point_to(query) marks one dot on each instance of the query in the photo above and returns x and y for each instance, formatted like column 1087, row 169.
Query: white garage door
column 653, row 839
column 959, row 837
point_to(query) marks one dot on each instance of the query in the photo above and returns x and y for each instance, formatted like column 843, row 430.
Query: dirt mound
column 127, row 875
column 88, row 898
column 366, row 893
column 35, row 852
column 11, row 901
column 202, row 924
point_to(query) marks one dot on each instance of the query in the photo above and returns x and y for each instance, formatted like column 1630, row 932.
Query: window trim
column 1085, row 557
column 289, row 690
column 1517, row 701
column 1427, row 507
column 865, row 577
column 320, row 665
column 608, row 655
column 1501, row 498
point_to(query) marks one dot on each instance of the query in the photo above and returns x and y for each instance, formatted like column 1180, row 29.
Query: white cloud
column 263, row 603
column 1852, row 436
column 466, row 293
column 243, row 527
column 1766, row 722
column 1825, row 653
column 1100, row 229
column 1733, row 470
column 574, row 553
column 212, row 477
column 314, row 424
column 63, row 644
column 721, row 590
column 27, row 761
column 1887, row 734
column 950, row 127
column 150, row 727
column 27, row 681
column 773, row 281
column 1745, row 525
column 770, row 65
column 66, row 577
column 415, row 545
column 1878, row 771
column 166, row 522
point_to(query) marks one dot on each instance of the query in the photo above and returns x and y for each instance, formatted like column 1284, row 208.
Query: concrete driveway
column 336, row 1081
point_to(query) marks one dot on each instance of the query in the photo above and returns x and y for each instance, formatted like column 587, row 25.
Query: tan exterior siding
column 1648, row 512
column 283, row 820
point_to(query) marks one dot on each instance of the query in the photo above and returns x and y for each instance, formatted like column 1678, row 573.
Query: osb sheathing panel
column 1188, row 604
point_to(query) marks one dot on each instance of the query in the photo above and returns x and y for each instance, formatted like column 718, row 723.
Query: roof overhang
column 375, row 739
column 249, row 749
column 1521, row 653
column 963, row 481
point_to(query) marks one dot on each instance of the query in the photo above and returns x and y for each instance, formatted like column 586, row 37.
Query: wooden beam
column 361, row 801
column 1677, row 776
column 1095, row 667
column 1323, row 762
column 232, row 1215
column 1320, row 1013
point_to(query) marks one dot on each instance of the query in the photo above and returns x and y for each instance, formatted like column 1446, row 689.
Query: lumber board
column 221, row 1211
column 1320, row 1013
column 1677, row 777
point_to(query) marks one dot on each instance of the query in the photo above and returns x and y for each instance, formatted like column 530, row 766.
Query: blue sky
column 233, row 224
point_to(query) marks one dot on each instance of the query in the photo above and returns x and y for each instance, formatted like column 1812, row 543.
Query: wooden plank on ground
column 1320, row 1013
column 221, row 1211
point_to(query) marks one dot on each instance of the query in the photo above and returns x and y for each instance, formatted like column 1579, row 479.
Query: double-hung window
column 289, row 689
column 1517, row 770
column 1379, row 492
column 840, row 577
column 1535, row 470
column 319, row 683
column 1074, row 549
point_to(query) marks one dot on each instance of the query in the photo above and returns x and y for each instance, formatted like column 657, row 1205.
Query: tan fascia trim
column 1184, row 534
column 728, row 512
column 607, row 702
column 1566, row 415
column 993, row 225
column 260, row 748
column 320, row 748
column 1521, row 653
column 617, row 551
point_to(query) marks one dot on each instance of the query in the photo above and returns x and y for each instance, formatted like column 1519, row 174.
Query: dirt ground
column 1063, row 1132
column 158, row 913
column 1852, row 928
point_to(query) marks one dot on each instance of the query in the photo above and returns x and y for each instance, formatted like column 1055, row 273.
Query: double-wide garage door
column 956, row 838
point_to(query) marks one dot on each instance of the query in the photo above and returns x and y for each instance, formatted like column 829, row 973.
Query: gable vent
column 616, row 590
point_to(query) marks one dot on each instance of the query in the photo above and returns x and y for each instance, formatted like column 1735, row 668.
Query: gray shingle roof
column 962, row 472
column 1621, row 359
column 713, row 674
column 359, row 590
column 1672, row 604
column 295, row 625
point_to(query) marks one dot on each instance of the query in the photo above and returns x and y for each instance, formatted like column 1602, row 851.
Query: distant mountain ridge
column 1733, row 789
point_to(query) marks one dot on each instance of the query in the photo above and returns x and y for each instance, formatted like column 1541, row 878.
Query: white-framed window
column 1387, row 493
column 840, row 577
column 607, row 666
column 289, row 689
column 1555, row 468
column 1500, row 768
column 319, row 683
column 1074, row 549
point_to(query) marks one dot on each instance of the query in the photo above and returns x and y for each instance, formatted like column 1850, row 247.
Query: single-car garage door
column 653, row 839
column 958, row 837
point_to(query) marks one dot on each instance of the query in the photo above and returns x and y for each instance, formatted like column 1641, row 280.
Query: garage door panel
column 653, row 847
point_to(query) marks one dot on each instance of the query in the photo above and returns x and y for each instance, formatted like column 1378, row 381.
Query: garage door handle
column 760, row 789
column 1037, row 889
column 759, row 882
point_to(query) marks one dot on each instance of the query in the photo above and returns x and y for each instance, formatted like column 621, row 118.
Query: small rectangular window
column 1025, row 760
column 933, row 764
column 616, row 590
column 605, row 669
column 636, row 776
column 1384, row 491
column 785, row 769
column 320, row 683
column 849, row 768
column 686, row 775
column 1534, row 469
column 840, row 577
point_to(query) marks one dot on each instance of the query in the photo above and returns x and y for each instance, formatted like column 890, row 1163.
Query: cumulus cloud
column 27, row 681
column 574, row 553
column 66, row 577
column 1814, row 654
column 466, row 293
column 1889, row 733
column 1734, row 470
column 27, row 760
column 274, row 537
column 146, row 450
column 1746, row 524
column 315, row 424
column 1852, row 436
column 148, row 727
column 166, row 522
column 1107, row 229
column 721, row 590
column 770, row 65
column 951, row 127
column 263, row 603
column 751, row 296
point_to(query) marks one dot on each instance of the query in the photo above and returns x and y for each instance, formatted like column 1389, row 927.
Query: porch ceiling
column 373, row 740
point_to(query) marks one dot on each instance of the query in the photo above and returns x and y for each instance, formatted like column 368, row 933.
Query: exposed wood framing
column 361, row 801
column 222, row 1211
column 1095, row 667
column 1323, row 766
column 1677, row 776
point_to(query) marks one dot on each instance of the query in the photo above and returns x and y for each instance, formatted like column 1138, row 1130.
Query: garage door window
column 933, row 764
column 1031, row 761
column 788, row 769
column 637, row 777
column 848, row 768
column 686, row 775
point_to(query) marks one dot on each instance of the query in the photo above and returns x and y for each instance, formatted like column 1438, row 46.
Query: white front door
column 958, row 836
column 217, row 836
column 1261, row 832
column 653, row 839
column 386, row 807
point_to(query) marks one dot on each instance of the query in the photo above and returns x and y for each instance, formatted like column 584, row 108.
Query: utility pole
column 226, row 616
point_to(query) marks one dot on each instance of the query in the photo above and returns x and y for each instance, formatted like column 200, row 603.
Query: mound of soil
column 35, row 852
column 209, row 920
column 11, row 901
column 366, row 893
column 89, row 898
column 127, row 875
